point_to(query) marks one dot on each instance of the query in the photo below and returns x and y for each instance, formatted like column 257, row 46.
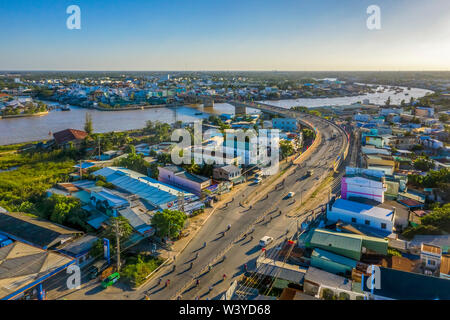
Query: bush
column 197, row 212
column 328, row 294
column 344, row 296
column 138, row 268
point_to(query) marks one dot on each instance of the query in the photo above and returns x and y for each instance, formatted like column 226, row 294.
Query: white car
column 265, row 241
column 290, row 194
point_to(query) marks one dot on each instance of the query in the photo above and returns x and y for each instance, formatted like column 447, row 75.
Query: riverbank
column 149, row 106
column 37, row 114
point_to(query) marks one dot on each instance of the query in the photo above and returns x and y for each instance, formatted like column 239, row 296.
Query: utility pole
column 81, row 173
column 181, row 201
column 117, row 244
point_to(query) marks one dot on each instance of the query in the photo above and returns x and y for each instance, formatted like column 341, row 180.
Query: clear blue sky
column 225, row 35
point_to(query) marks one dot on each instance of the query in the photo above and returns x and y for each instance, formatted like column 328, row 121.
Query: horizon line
column 237, row 70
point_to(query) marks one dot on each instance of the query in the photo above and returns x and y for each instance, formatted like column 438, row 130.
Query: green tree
column 169, row 222
column 125, row 229
column 133, row 162
column 444, row 117
column 88, row 127
column 439, row 218
column 423, row 164
column 286, row 148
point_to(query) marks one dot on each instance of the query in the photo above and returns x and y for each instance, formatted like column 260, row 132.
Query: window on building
column 431, row 262
column 383, row 226
column 354, row 220
column 367, row 222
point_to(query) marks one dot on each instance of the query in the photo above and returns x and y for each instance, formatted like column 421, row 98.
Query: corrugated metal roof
column 22, row 264
column 34, row 230
column 328, row 279
column 337, row 240
column 329, row 256
column 144, row 190
column 112, row 199
column 149, row 189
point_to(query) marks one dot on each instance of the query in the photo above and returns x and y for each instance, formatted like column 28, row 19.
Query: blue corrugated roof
column 144, row 190
column 113, row 200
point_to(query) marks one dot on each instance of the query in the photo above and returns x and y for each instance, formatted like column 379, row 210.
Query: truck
column 100, row 269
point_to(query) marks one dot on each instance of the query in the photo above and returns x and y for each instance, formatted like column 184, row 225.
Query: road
column 242, row 219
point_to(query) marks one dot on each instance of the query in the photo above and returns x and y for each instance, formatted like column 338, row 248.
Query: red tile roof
column 68, row 135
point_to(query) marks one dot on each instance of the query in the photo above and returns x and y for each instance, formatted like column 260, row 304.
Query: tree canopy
column 169, row 222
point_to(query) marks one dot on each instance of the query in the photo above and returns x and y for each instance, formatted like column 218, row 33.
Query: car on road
column 265, row 241
column 258, row 180
column 290, row 194
column 309, row 173
column 110, row 280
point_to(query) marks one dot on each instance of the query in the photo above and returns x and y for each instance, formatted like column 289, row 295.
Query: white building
column 362, row 214
column 363, row 183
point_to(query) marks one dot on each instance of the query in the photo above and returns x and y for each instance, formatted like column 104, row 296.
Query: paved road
column 183, row 279
column 242, row 220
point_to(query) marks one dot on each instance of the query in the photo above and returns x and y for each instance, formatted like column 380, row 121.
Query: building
column 445, row 267
column 431, row 257
column 35, row 231
column 285, row 124
column 404, row 142
column 363, row 183
column 178, row 177
column 157, row 194
column 362, row 117
column 401, row 285
column 432, row 143
column 373, row 150
column 64, row 137
column 317, row 280
column 427, row 112
column 23, row 269
column 374, row 140
column 345, row 244
column 228, row 173
column 281, row 270
column 362, row 214
column 108, row 200
column 79, row 249
column 331, row 262
column 379, row 162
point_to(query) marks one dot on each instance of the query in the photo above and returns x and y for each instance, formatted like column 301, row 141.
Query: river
column 378, row 98
column 25, row 129
column 17, row 130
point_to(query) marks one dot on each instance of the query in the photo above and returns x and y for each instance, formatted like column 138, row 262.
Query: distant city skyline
column 202, row 35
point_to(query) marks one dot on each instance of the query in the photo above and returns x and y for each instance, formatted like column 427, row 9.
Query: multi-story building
column 363, row 183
